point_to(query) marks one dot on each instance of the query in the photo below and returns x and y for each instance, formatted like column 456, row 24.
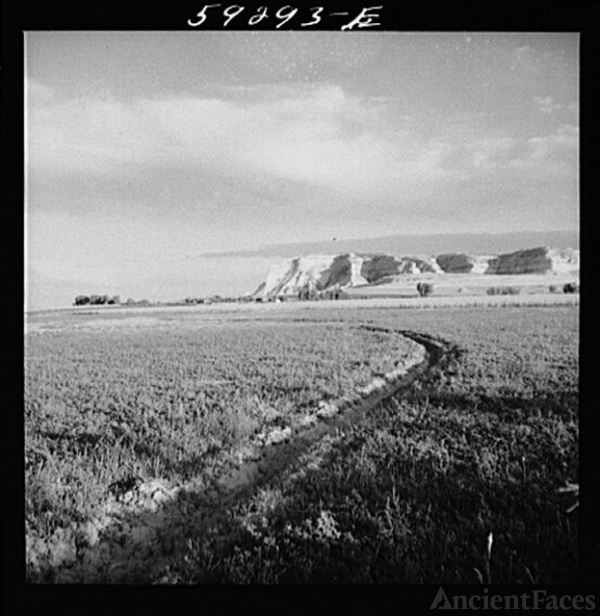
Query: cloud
column 546, row 104
column 492, row 151
column 544, row 155
column 525, row 61
column 555, row 154
column 318, row 136
column 309, row 138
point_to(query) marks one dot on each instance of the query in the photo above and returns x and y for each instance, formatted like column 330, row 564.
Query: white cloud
column 315, row 135
column 555, row 154
column 542, row 155
column 490, row 152
column 546, row 104
column 522, row 58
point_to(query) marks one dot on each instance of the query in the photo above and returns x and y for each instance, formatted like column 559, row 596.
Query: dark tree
column 424, row 289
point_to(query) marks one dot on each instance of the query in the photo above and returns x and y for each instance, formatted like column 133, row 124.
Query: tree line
column 83, row 300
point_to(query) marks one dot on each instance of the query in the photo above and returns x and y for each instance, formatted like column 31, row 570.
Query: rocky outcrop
column 317, row 271
column 321, row 272
column 341, row 272
column 461, row 263
column 542, row 260
column 382, row 266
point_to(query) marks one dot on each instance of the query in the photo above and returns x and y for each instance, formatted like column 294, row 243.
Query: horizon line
column 261, row 250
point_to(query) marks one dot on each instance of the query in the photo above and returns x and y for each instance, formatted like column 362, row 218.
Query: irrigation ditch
column 146, row 527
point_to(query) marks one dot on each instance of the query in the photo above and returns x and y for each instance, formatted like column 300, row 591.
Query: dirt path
column 139, row 533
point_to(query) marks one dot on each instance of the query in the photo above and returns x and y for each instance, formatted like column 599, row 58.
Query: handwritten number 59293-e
column 365, row 19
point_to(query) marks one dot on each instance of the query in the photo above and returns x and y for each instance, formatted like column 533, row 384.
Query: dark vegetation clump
column 96, row 300
column 333, row 293
column 503, row 291
column 310, row 293
column 571, row 287
column 425, row 289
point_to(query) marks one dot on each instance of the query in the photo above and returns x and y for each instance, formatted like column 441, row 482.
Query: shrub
column 99, row 299
column 308, row 292
column 425, row 289
column 82, row 300
column 571, row 287
column 553, row 288
column 503, row 290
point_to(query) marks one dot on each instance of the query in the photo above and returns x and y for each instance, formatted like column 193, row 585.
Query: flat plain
column 480, row 444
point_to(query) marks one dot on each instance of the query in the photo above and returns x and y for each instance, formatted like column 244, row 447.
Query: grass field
column 465, row 286
column 126, row 398
column 409, row 495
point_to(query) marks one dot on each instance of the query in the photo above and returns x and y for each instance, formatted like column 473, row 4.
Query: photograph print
column 301, row 306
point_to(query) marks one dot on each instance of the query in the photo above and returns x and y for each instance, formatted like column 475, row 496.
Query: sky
column 145, row 150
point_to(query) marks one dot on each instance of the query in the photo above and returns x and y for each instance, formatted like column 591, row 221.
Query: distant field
column 409, row 495
column 120, row 316
column 467, row 285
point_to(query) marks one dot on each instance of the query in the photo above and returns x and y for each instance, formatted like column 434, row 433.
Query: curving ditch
column 140, row 531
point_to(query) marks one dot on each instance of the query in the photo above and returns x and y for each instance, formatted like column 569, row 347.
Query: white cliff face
column 290, row 275
column 356, row 263
column 565, row 261
column 277, row 272
column 320, row 272
column 481, row 263
column 306, row 271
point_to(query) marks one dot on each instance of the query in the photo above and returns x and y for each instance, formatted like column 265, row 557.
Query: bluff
column 462, row 263
column 321, row 272
column 542, row 260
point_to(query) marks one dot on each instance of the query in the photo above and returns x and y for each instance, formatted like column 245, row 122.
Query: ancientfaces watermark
column 530, row 600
